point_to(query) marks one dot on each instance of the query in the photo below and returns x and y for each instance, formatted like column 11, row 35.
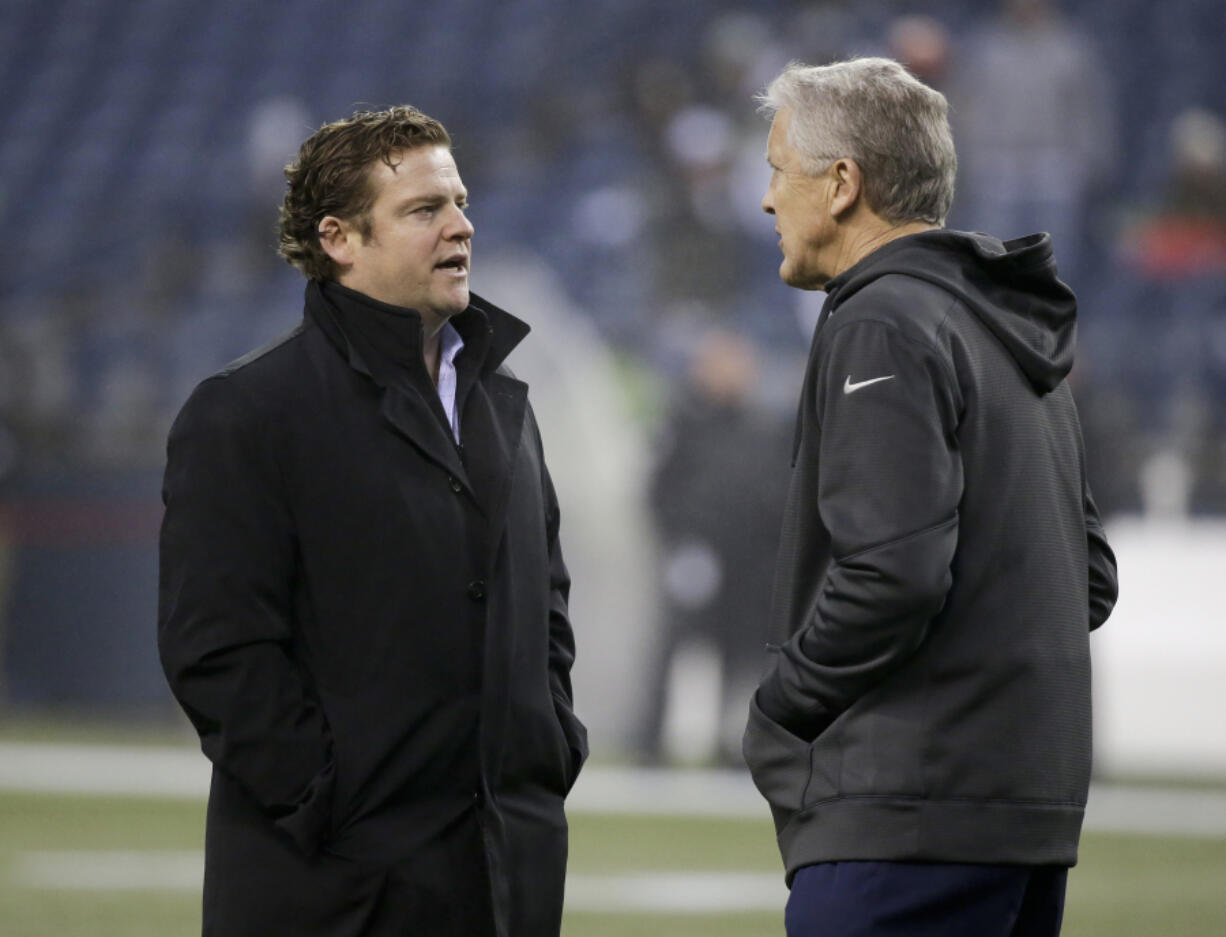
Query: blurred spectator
column 1185, row 235
column 1031, row 107
column 922, row 44
column 820, row 32
column 37, row 385
column 716, row 498
column 1164, row 325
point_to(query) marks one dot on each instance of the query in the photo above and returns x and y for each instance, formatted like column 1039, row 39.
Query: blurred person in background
column 922, row 45
column 1184, row 235
column 1164, row 317
column 1033, row 110
column 716, row 496
column 922, row 732
column 363, row 601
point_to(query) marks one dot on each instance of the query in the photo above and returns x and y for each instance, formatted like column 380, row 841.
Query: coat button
column 476, row 590
column 455, row 484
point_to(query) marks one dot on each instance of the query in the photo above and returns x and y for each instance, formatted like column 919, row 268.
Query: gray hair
column 874, row 111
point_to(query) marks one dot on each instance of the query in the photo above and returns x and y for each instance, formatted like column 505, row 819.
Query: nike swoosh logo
column 850, row 388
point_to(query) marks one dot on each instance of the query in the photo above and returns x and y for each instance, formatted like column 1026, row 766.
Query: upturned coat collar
column 384, row 342
column 380, row 339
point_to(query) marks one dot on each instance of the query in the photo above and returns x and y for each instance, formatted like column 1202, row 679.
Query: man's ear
column 848, row 181
column 336, row 238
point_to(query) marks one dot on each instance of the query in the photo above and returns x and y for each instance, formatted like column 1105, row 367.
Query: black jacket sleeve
column 561, row 635
column 227, row 559
column 887, row 406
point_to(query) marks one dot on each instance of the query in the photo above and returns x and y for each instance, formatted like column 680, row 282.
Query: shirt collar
column 450, row 344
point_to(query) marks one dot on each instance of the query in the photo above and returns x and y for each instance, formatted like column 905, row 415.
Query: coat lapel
column 410, row 414
column 494, row 420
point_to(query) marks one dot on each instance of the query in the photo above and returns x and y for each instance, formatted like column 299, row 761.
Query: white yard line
column 109, row 870
column 676, row 892
column 1156, row 811
column 140, row 771
column 634, row 892
column 672, row 791
column 120, row 770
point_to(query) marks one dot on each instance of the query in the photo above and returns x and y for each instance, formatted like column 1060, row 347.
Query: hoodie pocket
column 780, row 763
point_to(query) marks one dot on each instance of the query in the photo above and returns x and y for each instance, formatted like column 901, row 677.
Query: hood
column 1011, row 286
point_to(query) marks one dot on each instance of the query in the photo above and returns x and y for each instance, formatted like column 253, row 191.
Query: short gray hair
column 874, row 111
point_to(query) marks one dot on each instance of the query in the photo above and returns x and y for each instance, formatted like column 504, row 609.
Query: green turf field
column 1126, row 886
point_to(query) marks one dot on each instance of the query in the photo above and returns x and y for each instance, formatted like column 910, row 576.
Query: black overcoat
column 367, row 625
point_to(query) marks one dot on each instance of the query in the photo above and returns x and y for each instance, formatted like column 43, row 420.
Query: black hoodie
column 941, row 565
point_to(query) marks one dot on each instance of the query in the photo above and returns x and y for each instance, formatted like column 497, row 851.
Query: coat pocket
column 575, row 734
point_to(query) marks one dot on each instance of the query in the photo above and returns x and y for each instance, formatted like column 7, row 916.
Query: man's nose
column 768, row 204
column 460, row 228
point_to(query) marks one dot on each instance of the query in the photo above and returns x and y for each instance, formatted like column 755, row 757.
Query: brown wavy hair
column 331, row 176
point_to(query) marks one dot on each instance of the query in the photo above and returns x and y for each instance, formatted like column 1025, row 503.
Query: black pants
column 914, row 899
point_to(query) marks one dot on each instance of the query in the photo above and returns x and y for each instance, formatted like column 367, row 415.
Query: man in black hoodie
column 922, row 732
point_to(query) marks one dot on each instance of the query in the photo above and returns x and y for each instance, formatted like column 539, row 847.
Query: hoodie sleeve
column 1104, row 584
column 891, row 481
column 224, row 620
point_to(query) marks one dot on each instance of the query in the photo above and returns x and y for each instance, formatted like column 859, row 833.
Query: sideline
column 656, row 892
column 182, row 773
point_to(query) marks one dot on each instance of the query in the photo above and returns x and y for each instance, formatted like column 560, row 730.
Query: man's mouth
column 456, row 264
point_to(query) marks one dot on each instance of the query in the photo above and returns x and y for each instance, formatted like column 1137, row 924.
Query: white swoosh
column 849, row 387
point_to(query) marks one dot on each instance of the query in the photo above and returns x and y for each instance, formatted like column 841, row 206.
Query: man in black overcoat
column 363, row 601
